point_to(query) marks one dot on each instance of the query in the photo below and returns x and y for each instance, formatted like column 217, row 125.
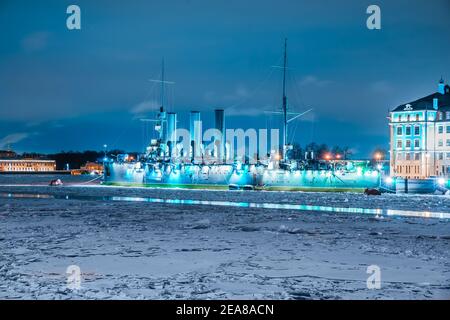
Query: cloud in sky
column 35, row 41
column 247, row 111
column 314, row 81
column 382, row 87
column 13, row 138
column 145, row 106
column 235, row 96
column 240, row 92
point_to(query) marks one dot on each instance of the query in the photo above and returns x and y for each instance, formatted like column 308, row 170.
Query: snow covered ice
column 142, row 250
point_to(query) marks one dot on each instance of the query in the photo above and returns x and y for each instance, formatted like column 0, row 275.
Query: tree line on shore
column 324, row 152
column 73, row 159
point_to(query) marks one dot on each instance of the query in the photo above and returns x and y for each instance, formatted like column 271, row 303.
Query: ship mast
column 285, row 120
column 161, row 121
column 162, row 114
column 284, row 111
column 162, row 85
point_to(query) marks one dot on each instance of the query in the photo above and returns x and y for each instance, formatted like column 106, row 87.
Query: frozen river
column 219, row 244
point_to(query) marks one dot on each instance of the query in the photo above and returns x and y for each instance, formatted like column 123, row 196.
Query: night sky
column 80, row 89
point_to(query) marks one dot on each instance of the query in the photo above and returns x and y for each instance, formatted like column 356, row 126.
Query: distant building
column 420, row 136
column 27, row 165
column 7, row 154
column 89, row 168
column 92, row 167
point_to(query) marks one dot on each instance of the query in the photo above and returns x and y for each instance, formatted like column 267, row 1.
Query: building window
column 416, row 143
column 440, row 143
column 408, row 143
column 416, row 130
column 440, row 115
column 448, row 129
column 408, row 131
column 448, row 143
column 416, row 156
column 448, row 155
column 400, row 118
column 408, row 118
column 399, row 131
column 417, row 117
column 408, row 156
column 399, row 143
column 447, row 115
column 441, row 156
column 440, row 129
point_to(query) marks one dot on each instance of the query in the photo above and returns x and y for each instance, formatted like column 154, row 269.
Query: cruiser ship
column 169, row 162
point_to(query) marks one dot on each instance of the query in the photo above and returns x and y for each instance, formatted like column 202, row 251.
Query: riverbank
column 142, row 250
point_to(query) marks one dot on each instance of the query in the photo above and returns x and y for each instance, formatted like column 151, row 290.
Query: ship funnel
column 171, row 132
column 195, row 131
column 219, row 120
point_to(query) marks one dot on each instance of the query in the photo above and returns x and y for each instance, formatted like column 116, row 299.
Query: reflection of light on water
column 263, row 205
column 26, row 195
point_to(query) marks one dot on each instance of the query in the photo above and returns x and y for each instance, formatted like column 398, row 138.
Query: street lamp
column 104, row 161
column 427, row 156
column 378, row 156
column 328, row 157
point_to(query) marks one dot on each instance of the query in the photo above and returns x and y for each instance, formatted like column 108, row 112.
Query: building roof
column 27, row 160
column 426, row 103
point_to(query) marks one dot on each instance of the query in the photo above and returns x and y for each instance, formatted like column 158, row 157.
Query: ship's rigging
column 160, row 122
column 284, row 109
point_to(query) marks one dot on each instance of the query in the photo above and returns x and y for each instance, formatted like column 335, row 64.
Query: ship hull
column 226, row 176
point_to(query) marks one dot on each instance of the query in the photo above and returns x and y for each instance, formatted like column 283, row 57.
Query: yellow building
column 27, row 165
column 89, row 168
column 92, row 167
